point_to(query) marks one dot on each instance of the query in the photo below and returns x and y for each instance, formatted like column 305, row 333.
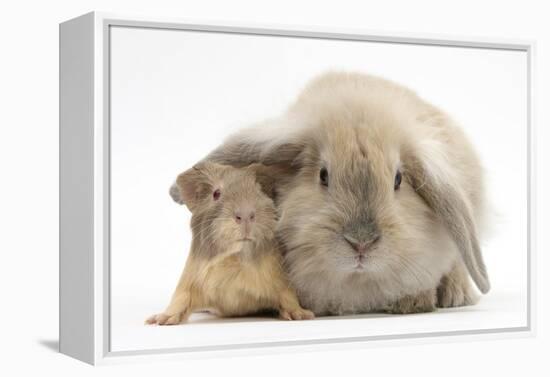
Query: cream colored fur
column 234, row 267
column 364, row 129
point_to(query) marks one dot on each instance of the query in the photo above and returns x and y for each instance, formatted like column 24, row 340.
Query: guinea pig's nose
column 361, row 246
column 245, row 214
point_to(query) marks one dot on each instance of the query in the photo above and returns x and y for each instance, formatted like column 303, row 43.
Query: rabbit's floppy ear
column 433, row 180
column 271, row 176
column 275, row 142
column 191, row 186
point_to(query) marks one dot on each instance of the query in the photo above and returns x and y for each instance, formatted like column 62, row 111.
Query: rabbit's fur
column 421, row 237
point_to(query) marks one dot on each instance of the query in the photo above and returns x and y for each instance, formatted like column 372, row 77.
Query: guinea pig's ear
column 271, row 176
column 191, row 186
column 434, row 182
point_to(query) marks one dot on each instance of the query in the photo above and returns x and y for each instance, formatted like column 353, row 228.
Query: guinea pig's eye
column 216, row 194
column 323, row 176
column 397, row 181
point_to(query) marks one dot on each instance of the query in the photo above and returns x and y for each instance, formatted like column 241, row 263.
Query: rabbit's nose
column 361, row 246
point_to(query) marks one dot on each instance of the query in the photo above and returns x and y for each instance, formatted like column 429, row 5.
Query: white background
column 175, row 95
column 29, row 185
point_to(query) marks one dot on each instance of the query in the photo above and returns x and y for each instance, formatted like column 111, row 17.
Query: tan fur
column 363, row 129
column 225, row 273
column 419, row 303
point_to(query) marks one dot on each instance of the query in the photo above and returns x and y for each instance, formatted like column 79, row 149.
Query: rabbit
column 383, row 202
column 234, row 267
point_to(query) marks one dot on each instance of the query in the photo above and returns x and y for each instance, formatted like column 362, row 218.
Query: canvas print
column 378, row 199
column 308, row 188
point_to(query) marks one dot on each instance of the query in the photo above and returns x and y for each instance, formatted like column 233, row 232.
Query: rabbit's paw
column 421, row 303
column 455, row 289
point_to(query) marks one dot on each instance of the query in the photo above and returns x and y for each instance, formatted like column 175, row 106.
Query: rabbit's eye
column 323, row 176
column 216, row 194
column 397, row 181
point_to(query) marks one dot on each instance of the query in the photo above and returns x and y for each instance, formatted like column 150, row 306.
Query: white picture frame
column 85, row 150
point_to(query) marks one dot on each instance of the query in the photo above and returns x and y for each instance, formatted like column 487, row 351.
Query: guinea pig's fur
column 418, row 240
column 234, row 267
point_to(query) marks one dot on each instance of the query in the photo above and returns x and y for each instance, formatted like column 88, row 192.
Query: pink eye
column 216, row 194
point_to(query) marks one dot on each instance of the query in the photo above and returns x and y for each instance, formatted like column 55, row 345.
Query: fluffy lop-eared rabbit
column 235, row 266
column 384, row 202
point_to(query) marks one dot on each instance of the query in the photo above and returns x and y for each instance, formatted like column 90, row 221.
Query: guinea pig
column 234, row 267
column 383, row 208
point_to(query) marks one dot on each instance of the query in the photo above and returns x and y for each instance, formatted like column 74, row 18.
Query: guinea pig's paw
column 166, row 319
column 151, row 320
column 296, row 314
column 421, row 303
column 453, row 292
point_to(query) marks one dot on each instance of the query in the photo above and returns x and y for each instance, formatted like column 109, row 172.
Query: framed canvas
column 144, row 99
